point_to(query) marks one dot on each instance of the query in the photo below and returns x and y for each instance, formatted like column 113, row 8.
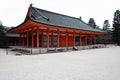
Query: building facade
column 47, row 29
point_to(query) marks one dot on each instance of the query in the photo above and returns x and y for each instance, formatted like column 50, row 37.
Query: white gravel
column 93, row 64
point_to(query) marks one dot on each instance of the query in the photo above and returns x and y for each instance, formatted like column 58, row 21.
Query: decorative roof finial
column 31, row 5
column 80, row 18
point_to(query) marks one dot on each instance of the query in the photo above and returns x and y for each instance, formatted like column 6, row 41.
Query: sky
column 13, row 12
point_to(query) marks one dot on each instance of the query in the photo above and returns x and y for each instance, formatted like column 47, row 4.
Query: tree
column 116, row 27
column 3, row 40
column 106, row 25
column 92, row 23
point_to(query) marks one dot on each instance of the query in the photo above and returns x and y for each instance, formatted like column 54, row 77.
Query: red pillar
column 32, row 38
column 74, row 38
column 80, row 39
column 27, row 39
column 23, row 39
column 58, row 34
column 20, row 40
column 48, row 38
column 85, row 40
column 14, row 41
column 94, row 39
column 66, row 39
column 52, row 39
column 42, row 39
column 90, row 39
column 59, row 39
column 37, row 33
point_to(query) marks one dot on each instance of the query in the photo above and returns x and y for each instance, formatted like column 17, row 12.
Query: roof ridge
column 41, row 14
column 57, row 13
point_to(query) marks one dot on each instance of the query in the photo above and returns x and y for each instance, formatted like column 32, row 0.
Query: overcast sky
column 13, row 12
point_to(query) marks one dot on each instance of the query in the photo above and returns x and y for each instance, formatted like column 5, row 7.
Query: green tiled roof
column 51, row 18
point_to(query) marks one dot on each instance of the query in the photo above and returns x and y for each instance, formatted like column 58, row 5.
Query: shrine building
column 45, row 29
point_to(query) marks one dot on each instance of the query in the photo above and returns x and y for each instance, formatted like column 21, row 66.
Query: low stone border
column 32, row 51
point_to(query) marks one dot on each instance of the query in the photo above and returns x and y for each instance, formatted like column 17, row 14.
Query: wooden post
column 37, row 33
column 94, row 39
column 66, row 38
column 90, row 39
column 47, row 38
column 80, row 39
column 52, row 39
column 27, row 39
column 32, row 38
column 42, row 39
column 20, row 40
column 14, row 41
column 85, row 40
column 23, row 39
column 74, row 39
column 58, row 38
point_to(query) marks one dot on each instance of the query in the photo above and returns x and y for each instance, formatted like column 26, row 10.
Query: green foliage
column 116, row 27
column 3, row 39
column 106, row 25
column 92, row 23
